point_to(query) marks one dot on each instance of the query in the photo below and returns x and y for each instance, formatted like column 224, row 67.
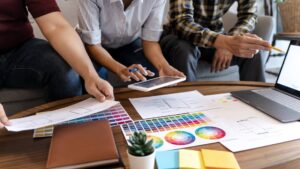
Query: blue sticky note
column 167, row 159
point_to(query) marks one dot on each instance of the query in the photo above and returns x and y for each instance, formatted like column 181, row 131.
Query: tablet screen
column 156, row 82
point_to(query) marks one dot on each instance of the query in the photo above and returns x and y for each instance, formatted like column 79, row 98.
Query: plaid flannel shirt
column 200, row 21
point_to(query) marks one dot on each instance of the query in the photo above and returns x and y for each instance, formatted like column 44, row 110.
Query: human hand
column 253, row 36
column 3, row 118
column 135, row 71
column 221, row 61
column 245, row 46
column 99, row 88
column 170, row 71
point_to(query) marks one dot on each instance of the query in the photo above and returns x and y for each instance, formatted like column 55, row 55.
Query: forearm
column 154, row 54
column 98, row 53
column 67, row 43
column 247, row 17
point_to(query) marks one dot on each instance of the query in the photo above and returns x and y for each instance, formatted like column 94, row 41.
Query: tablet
column 156, row 83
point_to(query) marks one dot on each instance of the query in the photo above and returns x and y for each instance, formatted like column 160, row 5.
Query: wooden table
column 19, row 150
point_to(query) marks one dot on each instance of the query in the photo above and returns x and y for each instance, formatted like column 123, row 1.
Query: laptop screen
column 289, row 77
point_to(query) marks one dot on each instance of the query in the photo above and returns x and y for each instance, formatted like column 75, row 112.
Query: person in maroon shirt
column 27, row 62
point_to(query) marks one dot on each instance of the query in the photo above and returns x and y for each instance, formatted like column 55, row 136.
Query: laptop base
column 273, row 109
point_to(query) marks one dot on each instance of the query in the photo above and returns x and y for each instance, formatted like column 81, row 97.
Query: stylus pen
column 277, row 49
column 134, row 70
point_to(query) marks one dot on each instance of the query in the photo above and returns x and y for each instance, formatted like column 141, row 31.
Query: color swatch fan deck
column 179, row 131
column 116, row 115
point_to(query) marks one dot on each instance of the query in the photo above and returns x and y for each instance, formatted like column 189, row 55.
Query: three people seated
column 121, row 35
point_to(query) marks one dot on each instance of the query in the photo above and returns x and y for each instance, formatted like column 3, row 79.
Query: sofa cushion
column 230, row 74
column 15, row 100
column 8, row 95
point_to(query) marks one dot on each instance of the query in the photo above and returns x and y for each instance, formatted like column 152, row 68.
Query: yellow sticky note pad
column 213, row 159
column 190, row 159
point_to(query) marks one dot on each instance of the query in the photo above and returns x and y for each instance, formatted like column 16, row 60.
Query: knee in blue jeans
column 177, row 49
column 64, row 82
column 187, row 51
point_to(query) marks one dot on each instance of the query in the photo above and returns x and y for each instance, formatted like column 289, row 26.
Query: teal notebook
column 167, row 159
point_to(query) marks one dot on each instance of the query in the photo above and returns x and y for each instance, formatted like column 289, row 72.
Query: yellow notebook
column 207, row 159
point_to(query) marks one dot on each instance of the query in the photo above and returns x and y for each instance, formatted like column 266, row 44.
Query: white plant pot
column 145, row 162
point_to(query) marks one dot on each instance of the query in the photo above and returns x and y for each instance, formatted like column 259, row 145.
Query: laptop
column 283, row 101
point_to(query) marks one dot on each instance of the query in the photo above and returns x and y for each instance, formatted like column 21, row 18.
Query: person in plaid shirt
column 195, row 32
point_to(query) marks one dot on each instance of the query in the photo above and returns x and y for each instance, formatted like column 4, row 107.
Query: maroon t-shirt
column 15, row 27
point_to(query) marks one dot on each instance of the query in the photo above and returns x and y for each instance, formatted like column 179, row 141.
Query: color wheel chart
column 116, row 115
column 178, row 131
column 210, row 133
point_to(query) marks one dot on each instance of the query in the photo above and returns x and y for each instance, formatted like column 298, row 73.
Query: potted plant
column 141, row 153
column 290, row 15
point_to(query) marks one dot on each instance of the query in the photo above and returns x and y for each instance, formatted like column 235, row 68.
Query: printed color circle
column 157, row 141
column 210, row 133
column 180, row 138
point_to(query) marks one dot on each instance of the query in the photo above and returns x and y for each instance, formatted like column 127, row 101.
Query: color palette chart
column 116, row 115
column 226, row 99
column 178, row 131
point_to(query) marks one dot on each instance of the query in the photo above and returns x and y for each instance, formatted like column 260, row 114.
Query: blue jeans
column 185, row 56
column 35, row 64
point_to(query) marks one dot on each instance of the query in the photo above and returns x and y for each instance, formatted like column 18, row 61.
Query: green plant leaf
column 144, row 138
column 136, row 134
column 149, row 143
column 137, row 147
column 131, row 141
column 140, row 141
column 149, row 151
column 139, row 152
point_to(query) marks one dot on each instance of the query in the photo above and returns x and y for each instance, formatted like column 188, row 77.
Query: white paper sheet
column 171, row 104
column 81, row 109
column 248, row 127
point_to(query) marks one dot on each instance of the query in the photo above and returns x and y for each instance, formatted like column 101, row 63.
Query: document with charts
column 81, row 109
column 250, row 128
column 169, row 104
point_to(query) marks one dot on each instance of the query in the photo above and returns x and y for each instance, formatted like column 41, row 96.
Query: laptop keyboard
column 280, row 98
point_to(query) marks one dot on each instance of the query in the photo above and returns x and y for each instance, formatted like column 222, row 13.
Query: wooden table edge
column 124, row 90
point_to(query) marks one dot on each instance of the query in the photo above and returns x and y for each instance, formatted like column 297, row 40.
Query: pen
column 277, row 49
column 134, row 70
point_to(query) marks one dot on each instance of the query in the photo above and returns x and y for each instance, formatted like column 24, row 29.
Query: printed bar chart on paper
column 116, row 115
column 246, row 124
column 179, row 103
column 178, row 131
column 170, row 104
